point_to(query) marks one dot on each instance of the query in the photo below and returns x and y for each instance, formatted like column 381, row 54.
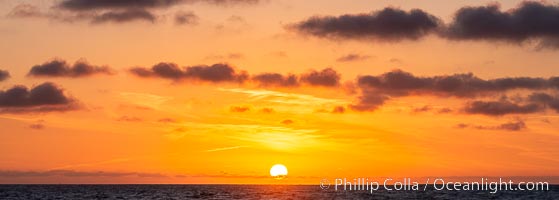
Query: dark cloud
column 426, row 108
column 4, row 75
column 509, row 126
column 60, row 68
column 275, row 79
column 497, row 108
column 445, row 110
column 127, row 15
column 530, row 20
column 214, row 73
column 390, row 24
column 239, row 109
column 327, row 77
column 352, row 57
column 186, row 18
column 42, row 98
column 112, row 4
column 81, row 5
column 545, row 99
column 375, row 90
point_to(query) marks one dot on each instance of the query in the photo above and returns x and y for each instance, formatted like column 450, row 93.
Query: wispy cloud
column 225, row 148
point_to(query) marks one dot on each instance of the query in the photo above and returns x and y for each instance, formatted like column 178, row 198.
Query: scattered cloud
column 129, row 119
column 426, row 108
column 25, row 11
column 277, row 80
column 229, row 56
column 338, row 109
column 388, row 24
column 376, row 90
column 37, row 126
column 45, row 97
column 287, row 122
column 267, row 110
column 239, row 109
column 498, row 108
column 214, row 73
column 186, row 18
column 125, row 16
column 353, row 57
column 327, row 77
column 4, row 75
column 225, row 148
column 530, row 20
column 60, row 68
column 517, row 125
column 81, row 5
column 167, row 120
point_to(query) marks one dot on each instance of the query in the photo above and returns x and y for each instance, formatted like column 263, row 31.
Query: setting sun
column 278, row 171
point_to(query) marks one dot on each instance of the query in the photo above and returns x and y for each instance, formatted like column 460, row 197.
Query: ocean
column 76, row 192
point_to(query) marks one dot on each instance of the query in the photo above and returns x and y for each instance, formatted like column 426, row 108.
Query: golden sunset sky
column 218, row 91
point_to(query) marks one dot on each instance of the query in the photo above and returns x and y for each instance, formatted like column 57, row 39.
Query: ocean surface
column 29, row 192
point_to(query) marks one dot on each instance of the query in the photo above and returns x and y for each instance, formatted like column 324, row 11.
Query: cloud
column 497, row 108
column 545, row 99
column 129, row 119
column 60, row 68
column 275, row 79
column 530, row 20
column 267, row 110
column 390, row 24
column 186, row 18
column 4, row 75
column 37, row 126
column 338, row 109
column 167, row 120
column 287, row 122
column 327, row 77
column 127, row 15
column 42, row 98
column 25, row 11
column 239, row 109
column 81, row 5
column 376, row 90
column 226, row 73
column 117, row 11
column 509, row 126
column 425, row 108
column 214, row 73
column 352, row 57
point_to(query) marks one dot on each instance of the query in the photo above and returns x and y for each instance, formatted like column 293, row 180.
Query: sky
column 218, row 91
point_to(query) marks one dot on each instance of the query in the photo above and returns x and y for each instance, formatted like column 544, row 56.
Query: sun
column 278, row 171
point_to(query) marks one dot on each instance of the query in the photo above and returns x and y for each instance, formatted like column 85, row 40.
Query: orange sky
column 124, row 128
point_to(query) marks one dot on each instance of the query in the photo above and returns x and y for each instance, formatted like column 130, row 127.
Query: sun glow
column 278, row 171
